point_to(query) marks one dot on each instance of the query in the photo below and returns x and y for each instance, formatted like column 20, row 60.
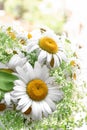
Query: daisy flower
column 4, row 106
column 35, row 92
column 16, row 60
column 50, row 47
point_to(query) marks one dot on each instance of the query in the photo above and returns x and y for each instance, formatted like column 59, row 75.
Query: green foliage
column 7, row 81
column 12, row 120
column 1, row 95
column 31, row 57
column 7, row 43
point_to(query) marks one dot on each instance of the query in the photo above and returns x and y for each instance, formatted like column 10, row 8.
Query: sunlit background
column 63, row 16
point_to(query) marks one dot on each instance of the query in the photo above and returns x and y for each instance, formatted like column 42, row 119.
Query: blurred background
column 33, row 13
column 60, row 15
column 63, row 16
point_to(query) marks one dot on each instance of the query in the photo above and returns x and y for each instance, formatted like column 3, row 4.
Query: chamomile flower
column 16, row 60
column 50, row 48
column 4, row 106
column 35, row 92
column 10, row 67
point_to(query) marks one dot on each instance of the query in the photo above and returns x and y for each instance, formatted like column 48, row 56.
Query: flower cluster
column 27, row 58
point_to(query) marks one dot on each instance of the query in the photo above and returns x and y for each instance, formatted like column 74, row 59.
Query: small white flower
column 22, row 35
column 9, row 51
column 16, row 60
column 4, row 106
column 35, row 93
column 50, row 47
column 9, row 99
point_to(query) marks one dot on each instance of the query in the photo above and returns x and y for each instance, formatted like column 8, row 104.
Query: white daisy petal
column 36, row 111
column 44, row 73
column 19, row 83
column 62, row 55
column 22, row 74
column 45, row 113
column 19, row 96
column 49, row 57
column 42, row 56
column 50, row 103
column 47, row 108
column 33, row 48
column 54, row 91
column 50, row 81
column 23, row 101
column 29, row 71
column 19, row 88
column 19, row 107
column 56, row 61
column 56, row 96
column 16, row 60
column 7, row 98
column 26, row 106
column 59, row 57
column 37, row 69
column 18, row 93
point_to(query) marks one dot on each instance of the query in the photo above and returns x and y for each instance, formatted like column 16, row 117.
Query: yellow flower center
column 12, row 35
column 48, row 44
column 22, row 41
column 74, row 76
column 29, row 35
column 28, row 111
column 37, row 89
column 15, row 52
column 2, row 106
column 72, row 63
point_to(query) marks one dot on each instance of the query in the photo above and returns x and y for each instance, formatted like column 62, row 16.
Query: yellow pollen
column 2, row 106
column 12, row 35
column 74, row 76
column 73, row 63
column 22, row 41
column 29, row 36
column 9, row 29
column 48, row 44
column 37, row 89
column 28, row 111
column 15, row 52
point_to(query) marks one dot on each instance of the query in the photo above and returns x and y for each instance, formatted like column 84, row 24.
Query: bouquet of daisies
column 26, row 62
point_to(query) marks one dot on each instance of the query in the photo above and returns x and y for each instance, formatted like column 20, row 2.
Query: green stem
column 2, row 126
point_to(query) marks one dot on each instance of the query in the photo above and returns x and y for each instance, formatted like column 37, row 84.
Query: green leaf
column 7, row 81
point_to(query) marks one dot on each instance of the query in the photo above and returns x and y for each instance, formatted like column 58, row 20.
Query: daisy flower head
column 16, row 60
column 50, row 48
column 34, row 90
column 4, row 106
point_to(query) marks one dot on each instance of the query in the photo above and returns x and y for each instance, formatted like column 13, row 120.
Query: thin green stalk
column 2, row 126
